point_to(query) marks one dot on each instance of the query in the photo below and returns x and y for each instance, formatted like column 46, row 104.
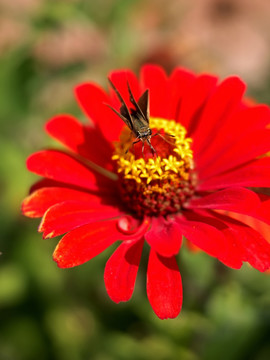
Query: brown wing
column 124, row 113
column 143, row 103
column 134, row 102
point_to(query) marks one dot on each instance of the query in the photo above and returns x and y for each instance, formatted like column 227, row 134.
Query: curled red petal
column 256, row 222
column 253, row 247
column 68, row 215
column 84, row 243
column 236, row 199
column 84, row 140
column 121, row 270
column 164, row 286
column 164, row 237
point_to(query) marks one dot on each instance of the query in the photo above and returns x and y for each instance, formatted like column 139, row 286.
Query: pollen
column 155, row 183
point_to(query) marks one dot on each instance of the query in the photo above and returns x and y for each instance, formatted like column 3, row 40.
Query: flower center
column 155, row 183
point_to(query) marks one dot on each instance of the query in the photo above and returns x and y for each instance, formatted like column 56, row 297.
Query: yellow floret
column 156, row 171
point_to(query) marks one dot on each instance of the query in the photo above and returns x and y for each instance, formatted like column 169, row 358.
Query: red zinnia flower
column 209, row 151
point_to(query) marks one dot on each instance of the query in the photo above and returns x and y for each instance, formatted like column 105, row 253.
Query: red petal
column 164, row 237
column 194, row 100
column 59, row 166
column 84, row 243
column 261, row 227
column 236, row 199
column 42, row 199
column 83, row 140
column 68, row 215
column 155, row 79
column 246, row 120
column 90, row 97
column 247, row 148
column 263, row 212
column 255, row 173
column 42, row 183
column 120, row 79
column 180, row 82
column 93, row 101
column 232, row 255
column 254, row 248
column 121, row 270
column 164, row 286
column 205, row 236
column 236, row 127
column 224, row 100
column 259, row 218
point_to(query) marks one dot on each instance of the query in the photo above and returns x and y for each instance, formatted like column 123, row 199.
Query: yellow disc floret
column 156, row 184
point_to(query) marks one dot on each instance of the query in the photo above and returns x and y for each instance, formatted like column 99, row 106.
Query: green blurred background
column 48, row 46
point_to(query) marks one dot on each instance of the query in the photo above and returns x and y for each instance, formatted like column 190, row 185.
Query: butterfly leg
column 167, row 141
column 135, row 142
column 152, row 148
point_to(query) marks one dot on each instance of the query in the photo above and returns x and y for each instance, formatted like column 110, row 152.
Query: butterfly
column 137, row 119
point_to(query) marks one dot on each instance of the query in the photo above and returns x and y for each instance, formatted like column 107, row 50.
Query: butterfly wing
column 143, row 104
column 124, row 113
